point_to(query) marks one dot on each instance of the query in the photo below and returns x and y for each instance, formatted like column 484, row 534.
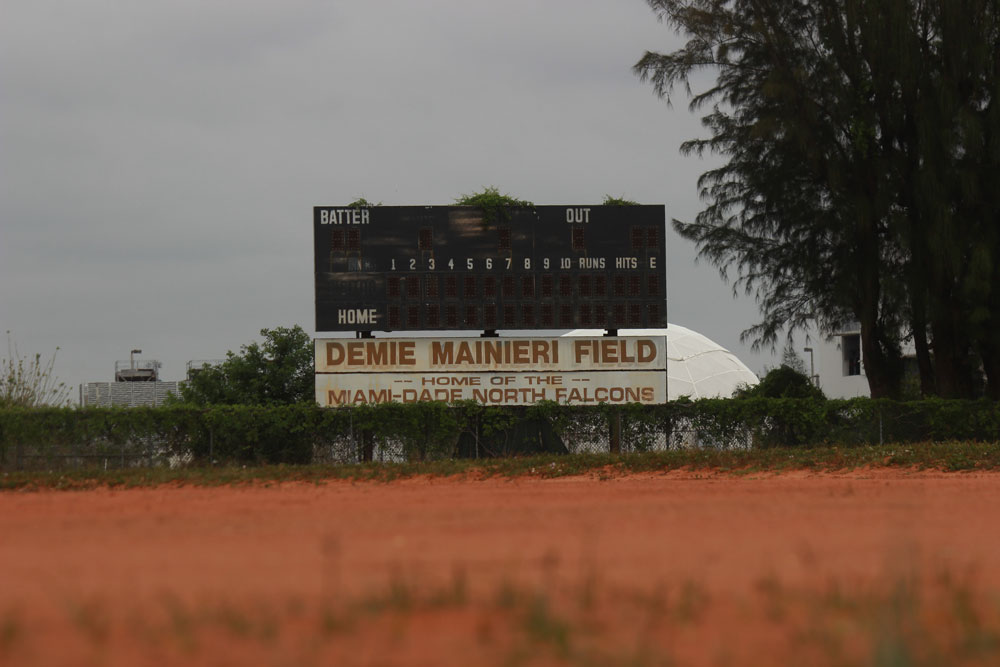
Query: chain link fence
column 60, row 439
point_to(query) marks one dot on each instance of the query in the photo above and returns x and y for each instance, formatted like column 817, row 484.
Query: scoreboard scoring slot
column 411, row 268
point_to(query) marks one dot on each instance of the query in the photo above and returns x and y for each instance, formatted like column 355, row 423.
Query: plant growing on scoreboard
column 493, row 204
column 361, row 202
column 618, row 201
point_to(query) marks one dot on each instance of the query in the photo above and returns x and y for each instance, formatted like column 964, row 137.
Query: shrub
column 28, row 382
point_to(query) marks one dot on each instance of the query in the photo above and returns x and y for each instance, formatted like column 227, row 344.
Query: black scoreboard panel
column 412, row 268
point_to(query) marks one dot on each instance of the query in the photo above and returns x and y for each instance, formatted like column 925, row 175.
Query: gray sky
column 159, row 161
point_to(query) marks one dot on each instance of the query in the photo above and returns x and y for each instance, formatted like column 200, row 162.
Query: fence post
column 668, row 432
column 615, row 431
column 367, row 446
column 350, row 431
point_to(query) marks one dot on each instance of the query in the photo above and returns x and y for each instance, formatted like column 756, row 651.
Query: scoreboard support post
column 614, row 418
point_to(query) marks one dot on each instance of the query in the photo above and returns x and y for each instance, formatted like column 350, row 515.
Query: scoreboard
column 417, row 268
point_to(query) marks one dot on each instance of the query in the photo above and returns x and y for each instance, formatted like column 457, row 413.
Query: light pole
column 131, row 358
column 812, row 375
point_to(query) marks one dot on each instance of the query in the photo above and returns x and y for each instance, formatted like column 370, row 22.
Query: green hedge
column 51, row 437
column 56, row 437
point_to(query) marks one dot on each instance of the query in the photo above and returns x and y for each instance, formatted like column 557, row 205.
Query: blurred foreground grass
column 900, row 622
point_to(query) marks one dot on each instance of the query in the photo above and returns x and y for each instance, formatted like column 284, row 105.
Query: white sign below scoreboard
column 346, row 355
column 577, row 388
column 492, row 371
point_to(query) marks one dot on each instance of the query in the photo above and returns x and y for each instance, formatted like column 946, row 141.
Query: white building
column 127, row 394
column 137, row 384
column 837, row 363
column 697, row 367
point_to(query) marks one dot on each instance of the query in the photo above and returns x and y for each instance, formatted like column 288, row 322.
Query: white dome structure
column 697, row 367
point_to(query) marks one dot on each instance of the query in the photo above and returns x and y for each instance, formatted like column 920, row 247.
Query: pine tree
column 863, row 144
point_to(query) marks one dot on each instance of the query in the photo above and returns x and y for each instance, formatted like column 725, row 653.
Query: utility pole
column 812, row 373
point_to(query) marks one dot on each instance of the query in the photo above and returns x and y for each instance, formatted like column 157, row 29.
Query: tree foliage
column 790, row 357
column 860, row 137
column 278, row 370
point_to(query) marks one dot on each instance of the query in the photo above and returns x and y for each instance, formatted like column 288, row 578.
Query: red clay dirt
column 679, row 568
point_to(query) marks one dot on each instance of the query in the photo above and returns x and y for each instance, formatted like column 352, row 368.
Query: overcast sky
column 159, row 161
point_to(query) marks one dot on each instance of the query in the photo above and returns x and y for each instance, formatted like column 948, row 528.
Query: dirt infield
column 675, row 568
